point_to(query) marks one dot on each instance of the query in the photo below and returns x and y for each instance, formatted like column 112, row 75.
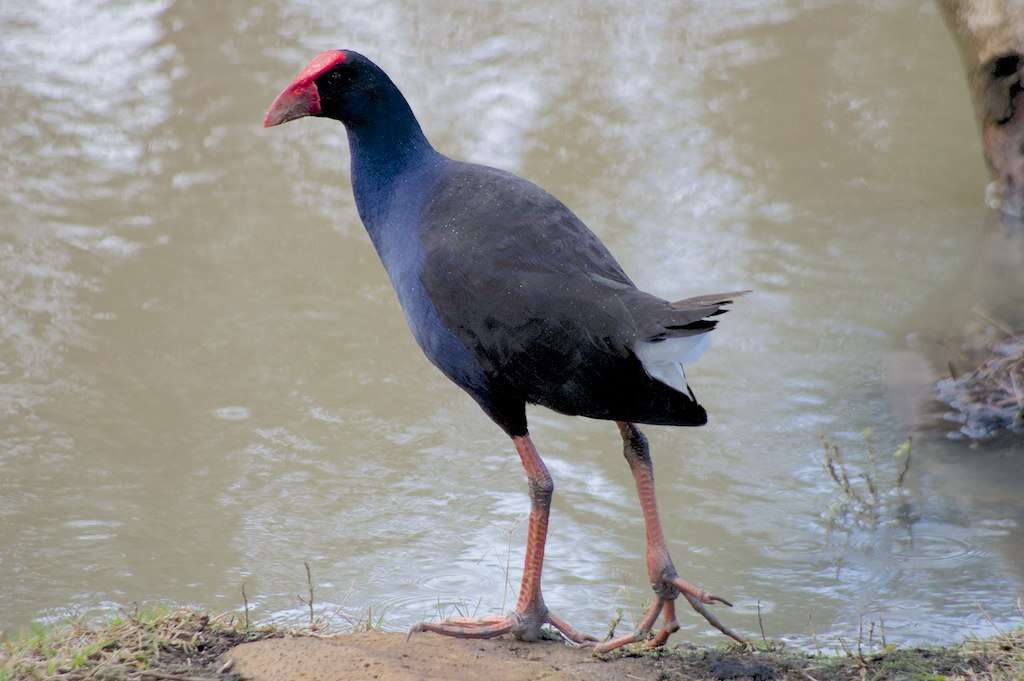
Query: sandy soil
column 191, row 645
column 389, row 657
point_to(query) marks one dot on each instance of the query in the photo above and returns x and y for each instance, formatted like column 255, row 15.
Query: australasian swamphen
column 514, row 299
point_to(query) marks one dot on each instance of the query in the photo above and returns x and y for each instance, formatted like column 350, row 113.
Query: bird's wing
column 529, row 288
column 484, row 218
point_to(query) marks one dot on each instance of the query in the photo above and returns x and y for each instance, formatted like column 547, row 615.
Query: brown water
column 206, row 379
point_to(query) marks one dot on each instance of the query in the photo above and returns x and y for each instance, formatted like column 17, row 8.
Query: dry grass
column 1000, row 658
column 174, row 645
column 186, row 645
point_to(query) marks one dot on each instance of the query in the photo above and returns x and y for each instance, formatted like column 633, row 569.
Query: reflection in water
column 206, row 378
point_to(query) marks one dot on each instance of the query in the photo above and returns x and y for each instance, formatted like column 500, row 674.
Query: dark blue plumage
column 516, row 301
column 504, row 288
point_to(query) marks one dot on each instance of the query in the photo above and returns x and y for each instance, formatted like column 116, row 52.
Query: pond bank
column 188, row 645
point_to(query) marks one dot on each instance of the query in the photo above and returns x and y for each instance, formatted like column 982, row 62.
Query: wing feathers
column 708, row 300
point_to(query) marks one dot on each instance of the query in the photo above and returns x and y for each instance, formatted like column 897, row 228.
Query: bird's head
column 338, row 84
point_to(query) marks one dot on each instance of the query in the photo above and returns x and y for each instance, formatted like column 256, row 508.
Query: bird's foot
column 667, row 587
column 526, row 626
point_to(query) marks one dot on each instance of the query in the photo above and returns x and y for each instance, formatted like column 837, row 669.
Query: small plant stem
column 906, row 464
column 245, row 599
column 309, row 583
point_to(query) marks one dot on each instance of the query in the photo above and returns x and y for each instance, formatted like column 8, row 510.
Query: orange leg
column 665, row 581
column 530, row 613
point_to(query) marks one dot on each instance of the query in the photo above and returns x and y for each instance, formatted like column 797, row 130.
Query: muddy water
column 206, row 379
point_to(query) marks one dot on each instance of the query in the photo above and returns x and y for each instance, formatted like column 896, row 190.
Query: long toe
column 712, row 619
column 521, row 625
column 569, row 633
column 462, row 627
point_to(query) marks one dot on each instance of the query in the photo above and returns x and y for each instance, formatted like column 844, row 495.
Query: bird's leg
column 665, row 581
column 530, row 614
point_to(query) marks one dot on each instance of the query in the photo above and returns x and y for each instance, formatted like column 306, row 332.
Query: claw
column 712, row 620
column 696, row 592
column 570, row 634
column 667, row 608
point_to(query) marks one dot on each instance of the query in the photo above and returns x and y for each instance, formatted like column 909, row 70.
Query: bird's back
column 542, row 306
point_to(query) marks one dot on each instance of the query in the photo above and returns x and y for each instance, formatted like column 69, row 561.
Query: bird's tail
column 715, row 301
column 682, row 338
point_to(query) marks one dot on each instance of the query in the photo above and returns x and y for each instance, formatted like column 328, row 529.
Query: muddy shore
column 188, row 645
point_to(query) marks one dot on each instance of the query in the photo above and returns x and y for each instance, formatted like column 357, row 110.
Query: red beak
column 295, row 101
column 301, row 98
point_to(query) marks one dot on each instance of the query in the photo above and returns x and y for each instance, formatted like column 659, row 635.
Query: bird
column 517, row 302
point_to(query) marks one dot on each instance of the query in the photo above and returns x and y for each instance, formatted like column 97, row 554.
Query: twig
column 906, row 464
column 760, row 622
column 828, row 462
column 614, row 624
column 1002, row 326
column 171, row 677
column 860, row 635
column 872, row 473
column 309, row 582
column 245, row 599
column 814, row 634
column 989, row 618
column 847, row 485
column 858, row 658
column 309, row 601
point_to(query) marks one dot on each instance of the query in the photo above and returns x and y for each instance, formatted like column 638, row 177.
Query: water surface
column 206, row 379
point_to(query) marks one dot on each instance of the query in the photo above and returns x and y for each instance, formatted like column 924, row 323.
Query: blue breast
column 391, row 212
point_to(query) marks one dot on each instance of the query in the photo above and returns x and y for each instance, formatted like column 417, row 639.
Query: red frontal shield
column 301, row 97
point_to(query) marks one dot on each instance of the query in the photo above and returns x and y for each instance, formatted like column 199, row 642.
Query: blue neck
column 383, row 150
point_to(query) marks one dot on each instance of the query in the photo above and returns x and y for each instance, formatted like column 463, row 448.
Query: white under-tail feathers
column 663, row 360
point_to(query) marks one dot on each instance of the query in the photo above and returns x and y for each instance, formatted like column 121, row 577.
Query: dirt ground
column 390, row 657
column 381, row 656
column 191, row 645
